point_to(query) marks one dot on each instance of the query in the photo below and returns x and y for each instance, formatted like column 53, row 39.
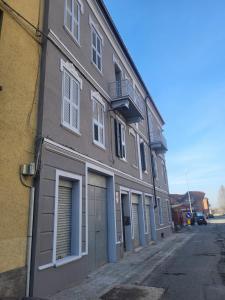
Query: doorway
column 126, row 221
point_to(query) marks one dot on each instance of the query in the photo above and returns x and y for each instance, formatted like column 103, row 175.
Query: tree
column 221, row 197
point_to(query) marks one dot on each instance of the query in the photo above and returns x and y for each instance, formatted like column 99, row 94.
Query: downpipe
column 29, row 238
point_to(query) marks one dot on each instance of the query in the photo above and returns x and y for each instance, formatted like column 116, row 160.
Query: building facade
column 102, row 187
column 19, row 69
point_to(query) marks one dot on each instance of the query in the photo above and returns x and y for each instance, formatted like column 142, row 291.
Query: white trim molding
column 96, row 27
column 60, row 173
column 81, row 6
column 70, row 68
column 68, row 152
column 97, row 96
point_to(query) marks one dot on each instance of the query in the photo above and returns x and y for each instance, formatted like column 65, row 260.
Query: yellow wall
column 19, row 63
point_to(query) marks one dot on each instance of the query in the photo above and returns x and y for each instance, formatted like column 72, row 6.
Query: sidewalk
column 128, row 272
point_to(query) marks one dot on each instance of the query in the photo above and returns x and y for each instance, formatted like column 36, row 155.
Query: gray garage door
column 135, row 220
column 97, row 225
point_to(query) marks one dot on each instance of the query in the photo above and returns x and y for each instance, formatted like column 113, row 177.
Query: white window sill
column 66, row 260
column 72, row 36
column 100, row 71
column 101, row 146
column 123, row 159
column 61, row 262
column 70, row 129
column 134, row 166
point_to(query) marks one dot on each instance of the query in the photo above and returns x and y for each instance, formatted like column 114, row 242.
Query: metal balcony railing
column 158, row 141
column 123, row 90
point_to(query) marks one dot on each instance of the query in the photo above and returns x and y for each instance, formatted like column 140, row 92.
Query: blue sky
column 179, row 49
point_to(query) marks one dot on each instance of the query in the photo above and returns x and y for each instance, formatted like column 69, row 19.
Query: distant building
column 180, row 204
column 206, row 206
column 196, row 199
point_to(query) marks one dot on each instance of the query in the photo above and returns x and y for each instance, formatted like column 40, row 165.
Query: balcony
column 158, row 142
column 126, row 100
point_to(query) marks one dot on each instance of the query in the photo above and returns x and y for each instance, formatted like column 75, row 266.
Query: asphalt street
column 197, row 269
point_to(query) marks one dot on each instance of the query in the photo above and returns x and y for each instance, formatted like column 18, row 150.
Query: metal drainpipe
column 29, row 231
column 29, row 239
column 150, row 147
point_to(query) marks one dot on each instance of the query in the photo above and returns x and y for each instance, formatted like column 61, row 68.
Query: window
column 133, row 148
column 71, row 102
column 142, row 154
column 155, row 167
column 68, row 215
column 164, row 172
column 98, row 123
column 160, row 211
column 120, row 139
column 72, row 18
column 169, row 211
column 96, row 43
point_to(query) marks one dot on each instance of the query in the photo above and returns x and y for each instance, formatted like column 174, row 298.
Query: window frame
column 134, row 135
column 155, row 162
column 68, row 68
column 94, row 47
column 144, row 158
column 121, row 138
column 160, row 210
column 73, row 18
column 164, row 172
column 96, row 99
column 74, row 178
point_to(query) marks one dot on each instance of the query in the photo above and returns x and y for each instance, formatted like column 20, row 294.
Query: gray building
column 102, row 187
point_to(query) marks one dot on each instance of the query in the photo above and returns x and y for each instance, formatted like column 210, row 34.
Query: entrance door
column 126, row 221
column 135, row 220
column 147, row 212
column 97, row 225
column 149, row 200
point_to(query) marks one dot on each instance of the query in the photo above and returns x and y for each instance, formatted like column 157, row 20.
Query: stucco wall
column 19, row 63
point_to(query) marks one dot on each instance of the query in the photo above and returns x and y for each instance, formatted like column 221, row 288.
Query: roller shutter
column 135, row 224
column 147, row 213
column 64, row 222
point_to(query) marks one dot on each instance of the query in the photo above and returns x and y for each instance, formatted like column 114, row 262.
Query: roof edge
column 106, row 13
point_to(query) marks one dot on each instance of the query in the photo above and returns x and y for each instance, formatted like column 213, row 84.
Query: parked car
column 201, row 220
column 210, row 216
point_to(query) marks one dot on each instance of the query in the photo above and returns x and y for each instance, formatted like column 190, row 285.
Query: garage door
column 135, row 220
column 97, row 225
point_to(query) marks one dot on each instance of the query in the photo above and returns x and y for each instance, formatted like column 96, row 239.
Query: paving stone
column 133, row 268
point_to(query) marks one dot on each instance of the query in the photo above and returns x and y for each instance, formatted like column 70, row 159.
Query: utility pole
column 189, row 196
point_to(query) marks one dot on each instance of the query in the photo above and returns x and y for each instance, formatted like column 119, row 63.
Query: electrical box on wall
column 28, row 169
